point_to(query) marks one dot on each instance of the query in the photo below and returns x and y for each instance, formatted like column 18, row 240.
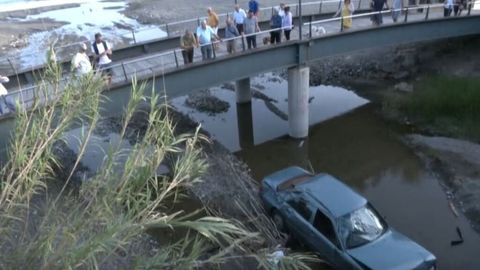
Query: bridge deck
column 157, row 64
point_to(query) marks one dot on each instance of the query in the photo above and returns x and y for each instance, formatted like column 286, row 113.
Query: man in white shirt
column 281, row 10
column 205, row 34
column 5, row 99
column 103, row 53
column 239, row 16
column 80, row 62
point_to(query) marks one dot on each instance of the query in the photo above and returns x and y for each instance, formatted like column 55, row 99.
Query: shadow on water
column 357, row 147
column 360, row 149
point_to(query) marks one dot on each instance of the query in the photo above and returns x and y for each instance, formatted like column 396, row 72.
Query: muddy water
column 360, row 149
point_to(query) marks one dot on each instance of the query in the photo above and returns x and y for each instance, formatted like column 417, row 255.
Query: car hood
column 392, row 251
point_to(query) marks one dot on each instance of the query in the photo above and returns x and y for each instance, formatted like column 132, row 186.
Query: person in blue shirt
column 276, row 25
column 253, row 6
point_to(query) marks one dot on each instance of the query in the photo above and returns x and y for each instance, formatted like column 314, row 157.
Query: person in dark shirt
column 253, row 6
column 377, row 6
column 275, row 23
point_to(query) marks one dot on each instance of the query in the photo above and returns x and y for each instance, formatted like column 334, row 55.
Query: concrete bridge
column 165, row 72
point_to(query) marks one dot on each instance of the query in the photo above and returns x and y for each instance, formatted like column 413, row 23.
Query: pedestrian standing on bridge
column 396, row 9
column 447, row 8
column 81, row 62
column 377, row 7
column 287, row 22
column 281, row 10
column 239, row 16
column 251, row 28
column 254, row 7
column 212, row 20
column 231, row 32
column 346, row 10
column 187, row 43
column 103, row 54
column 205, row 36
column 276, row 27
column 5, row 99
column 458, row 7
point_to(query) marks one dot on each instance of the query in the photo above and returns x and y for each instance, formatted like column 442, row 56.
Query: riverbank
column 405, row 82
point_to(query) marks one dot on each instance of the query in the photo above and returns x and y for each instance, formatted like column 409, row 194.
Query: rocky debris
column 403, row 87
column 204, row 101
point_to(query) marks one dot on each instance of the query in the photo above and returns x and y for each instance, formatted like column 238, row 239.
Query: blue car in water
column 338, row 224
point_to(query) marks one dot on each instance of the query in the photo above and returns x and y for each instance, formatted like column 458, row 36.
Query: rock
column 401, row 75
column 403, row 87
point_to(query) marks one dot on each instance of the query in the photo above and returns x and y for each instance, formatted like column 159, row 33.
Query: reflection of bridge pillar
column 242, row 89
column 298, row 93
column 245, row 125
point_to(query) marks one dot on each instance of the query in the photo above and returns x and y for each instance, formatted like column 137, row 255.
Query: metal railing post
column 168, row 32
column 406, row 15
column 339, row 5
column 134, row 38
column 124, row 72
column 243, row 43
column 427, row 13
column 300, row 19
column 320, row 9
column 198, row 21
column 176, row 59
column 272, row 12
column 310, row 26
column 341, row 24
column 469, row 8
column 359, row 4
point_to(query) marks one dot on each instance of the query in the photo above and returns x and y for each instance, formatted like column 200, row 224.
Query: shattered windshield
column 360, row 227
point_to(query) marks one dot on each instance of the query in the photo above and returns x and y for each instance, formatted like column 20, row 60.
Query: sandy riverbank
column 14, row 35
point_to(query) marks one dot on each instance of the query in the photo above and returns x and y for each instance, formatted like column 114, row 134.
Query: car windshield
column 360, row 227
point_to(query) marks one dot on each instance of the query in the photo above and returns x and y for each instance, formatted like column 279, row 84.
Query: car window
column 324, row 225
column 301, row 207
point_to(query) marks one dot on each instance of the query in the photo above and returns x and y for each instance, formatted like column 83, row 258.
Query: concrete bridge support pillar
column 242, row 89
column 298, row 94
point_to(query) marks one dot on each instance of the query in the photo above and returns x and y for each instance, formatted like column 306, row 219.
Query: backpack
column 95, row 48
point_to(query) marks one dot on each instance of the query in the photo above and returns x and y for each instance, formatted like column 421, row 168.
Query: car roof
column 332, row 194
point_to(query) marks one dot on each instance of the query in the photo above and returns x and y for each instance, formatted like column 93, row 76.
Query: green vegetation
column 445, row 106
column 47, row 224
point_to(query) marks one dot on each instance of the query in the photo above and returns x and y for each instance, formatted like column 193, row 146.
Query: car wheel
column 278, row 220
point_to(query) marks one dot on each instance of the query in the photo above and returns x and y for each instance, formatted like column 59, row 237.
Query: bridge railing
column 129, row 37
column 157, row 64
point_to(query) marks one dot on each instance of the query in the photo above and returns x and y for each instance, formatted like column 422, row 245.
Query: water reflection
column 245, row 125
column 364, row 152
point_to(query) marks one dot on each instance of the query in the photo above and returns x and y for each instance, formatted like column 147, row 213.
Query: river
column 350, row 141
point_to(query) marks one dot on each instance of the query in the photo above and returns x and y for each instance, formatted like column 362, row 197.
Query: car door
column 297, row 216
column 328, row 242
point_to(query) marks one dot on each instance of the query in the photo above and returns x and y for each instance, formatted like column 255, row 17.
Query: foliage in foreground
column 446, row 105
column 103, row 224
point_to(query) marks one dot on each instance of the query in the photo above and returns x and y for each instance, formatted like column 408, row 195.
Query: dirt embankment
column 14, row 34
column 163, row 11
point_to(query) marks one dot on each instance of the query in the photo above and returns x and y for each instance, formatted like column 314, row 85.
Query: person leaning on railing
column 231, row 32
column 251, row 27
column 187, row 43
column 346, row 10
column 287, row 23
column 5, row 99
column 276, row 26
column 205, row 36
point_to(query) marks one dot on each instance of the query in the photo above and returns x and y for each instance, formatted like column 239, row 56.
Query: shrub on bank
column 446, row 105
column 47, row 224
